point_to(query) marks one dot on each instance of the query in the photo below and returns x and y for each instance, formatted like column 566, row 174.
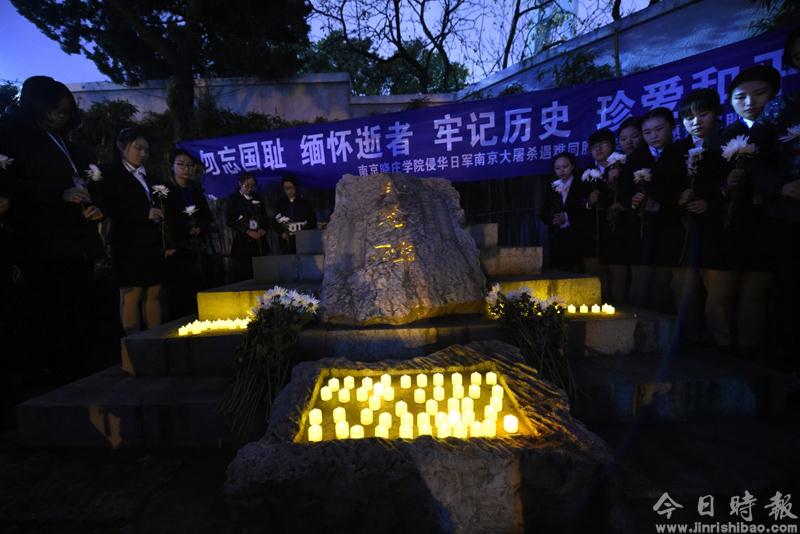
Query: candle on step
column 422, row 380
column 342, row 430
column 431, row 407
column 339, row 414
column 366, row 416
column 333, row 384
column 349, row 382
column 362, row 395
column 385, row 419
column 315, row 416
column 356, row 432
column 584, row 308
column 489, row 429
column 443, row 430
column 386, row 380
column 438, row 379
column 378, row 389
column 475, row 378
column 419, row 396
column 476, row 429
column 458, row 391
column 381, row 432
column 314, row 433
column 406, row 432
column 474, row 391
column 497, row 391
column 497, row 404
column 438, row 393
column 374, row 403
column 489, row 413
column 510, row 424
column 453, row 405
column 325, row 393
column 344, row 395
column 595, row 308
column 366, row 383
column 456, row 379
column 467, row 405
column 571, row 309
column 405, row 381
column 423, row 419
column 491, row 378
column 388, row 394
column 400, row 408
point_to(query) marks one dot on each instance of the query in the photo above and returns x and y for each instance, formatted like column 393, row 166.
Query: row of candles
column 198, row 327
column 605, row 309
column 458, row 421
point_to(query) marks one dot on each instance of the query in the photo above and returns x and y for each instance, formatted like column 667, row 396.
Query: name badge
column 253, row 224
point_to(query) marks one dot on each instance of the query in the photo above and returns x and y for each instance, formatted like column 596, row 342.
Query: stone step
column 283, row 269
column 161, row 351
column 694, row 384
column 570, row 288
column 111, row 409
column 235, row 300
column 511, row 261
column 313, row 241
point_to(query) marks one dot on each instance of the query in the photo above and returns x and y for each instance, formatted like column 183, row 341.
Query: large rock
column 541, row 480
column 396, row 251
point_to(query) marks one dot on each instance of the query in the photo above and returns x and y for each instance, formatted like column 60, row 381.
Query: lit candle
column 366, row 383
column 386, row 380
column 510, row 424
column 407, row 419
column 571, row 308
column 476, row 429
column 378, row 389
column 497, row 391
column 419, row 396
column 584, row 308
column 474, row 391
column 406, row 432
column 356, row 432
column 400, row 408
column 491, row 378
column 366, row 416
column 423, row 419
column 385, row 419
column 468, row 417
column 388, row 394
column 342, row 430
column 489, row 413
column 314, row 433
column 453, row 417
column 456, row 379
column 381, row 432
column 595, row 308
column 333, row 384
column 344, row 396
column 431, row 407
column 438, row 393
column 443, row 431
column 325, row 393
column 362, row 394
column 424, row 430
column 475, row 378
column 441, row 419
column 349, row 382
column 458, row 391
column 315, row 416
column 460, row 430
column 497, row 404
column 374, row 403
column 453, row 405
column 422, row 380
column 610, row 310
column 489, row 429
column 467, row 405
column 405, row 381
column 438, row 379
column 339, row 414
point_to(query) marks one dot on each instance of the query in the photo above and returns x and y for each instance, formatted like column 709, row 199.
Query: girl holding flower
column 246, row 215
column 562, row 211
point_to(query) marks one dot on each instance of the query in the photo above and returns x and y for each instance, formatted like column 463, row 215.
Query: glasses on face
column 184, row 165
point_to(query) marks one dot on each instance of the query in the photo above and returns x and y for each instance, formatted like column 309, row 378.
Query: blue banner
column 502, row 137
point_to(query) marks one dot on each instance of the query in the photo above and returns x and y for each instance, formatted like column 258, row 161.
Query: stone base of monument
column 537, row 479
column 237, row 299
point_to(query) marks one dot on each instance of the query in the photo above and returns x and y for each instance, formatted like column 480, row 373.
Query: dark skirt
column 147, row 268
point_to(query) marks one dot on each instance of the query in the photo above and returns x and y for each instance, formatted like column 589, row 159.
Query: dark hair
column 127, row 136
column 41, row 94
column 182, row 152
column 762, row 73
column 571, row 157
column 663, row 113
column 289, row 178
column 793, row 36
column 631, row 122
column 603, row 134
column 700, row 100
column 244, row 176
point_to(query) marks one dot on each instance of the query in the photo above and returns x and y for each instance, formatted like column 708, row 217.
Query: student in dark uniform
column 601, row 146
column 650, row 174
column 246, row 216
column 55, row 218
column 298, row 210
column 751, row 182
column 137, row 238
column 189, row 220
column 630, row 135
column 563, row 212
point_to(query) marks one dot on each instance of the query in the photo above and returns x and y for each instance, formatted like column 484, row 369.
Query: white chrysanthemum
column 694, row 157
column 559, row 187
column 738, row 147
column 616, row 158
column 5, row 161
column 642, row 175
column 256, row 202
column 517, row 293
column 93, row 173
column 211, row 197
column 491, row 297
column 792, row 133
column 591, row 175
column 551, row 301
column 190, row 210
column 161, row 190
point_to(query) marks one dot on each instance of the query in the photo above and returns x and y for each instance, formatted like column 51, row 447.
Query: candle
column 339, row 414
column 497, row 391
column 356, row 432
column 325, row 393
column 385, row 419
column 431, row 407
column 366, row 383
column 443, row 431
column 406, row 432
column 456, row 379
column 595, row 308
column 497, row 404
column 460, row 430
column 610, row 309
column 441, row 419
column 405, row 381
column 374, row 403
column 474, row 391
column 438, row 379
column 571, row 308
column 438, row 393
column 349, row 382
column 467, row 405
column 333, row 384
column 378, row 389
column 489, row 429
column 342, row 430
column 407, row 419
column 362, row 394
column 386, row 380
column 458, row 391
column 476, row 429
column 419, row 396
column 423, row 419
column 489, row 413
column 467, row 417
column 424, row 430
column 422, row 380
column 366, row 416
column 344, row 395
column 381, row 432
column 388, row 394
column 584, row 308
column 475, row 378
column 453, row 405
column 315, row 416
column 314, row 433
column 491, row 378
column 510, row 424
column 400, row 408
column 453, row 417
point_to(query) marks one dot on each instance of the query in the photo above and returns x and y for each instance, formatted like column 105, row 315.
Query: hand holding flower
column 637, row 199
column 697, row 207
column 155, row 215
column 594, row 197
column 736, row 177
column 93, row 213
column 559, row 219
column 686, row 196
column 76, row 195
column 791, row 189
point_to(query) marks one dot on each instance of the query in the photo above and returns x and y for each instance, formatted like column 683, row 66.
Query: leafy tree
column 578, row 68
column 136, row 40
column 8, row 94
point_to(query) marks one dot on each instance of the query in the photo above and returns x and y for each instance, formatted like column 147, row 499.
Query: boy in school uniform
column 601, row 146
